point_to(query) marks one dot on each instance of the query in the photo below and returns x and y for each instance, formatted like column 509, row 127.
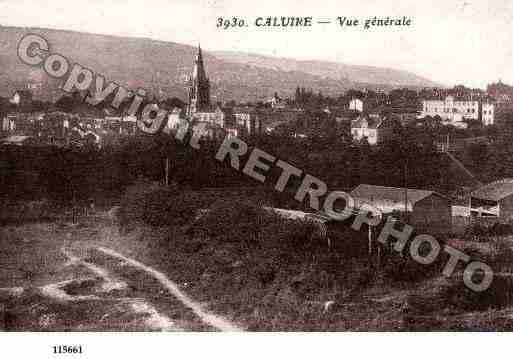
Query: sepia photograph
column 226, row 166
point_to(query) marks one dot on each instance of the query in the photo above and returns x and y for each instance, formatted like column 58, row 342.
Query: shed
column 494, row 199
column 427, row 211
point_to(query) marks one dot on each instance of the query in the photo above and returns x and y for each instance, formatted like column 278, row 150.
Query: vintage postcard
column 240, row 166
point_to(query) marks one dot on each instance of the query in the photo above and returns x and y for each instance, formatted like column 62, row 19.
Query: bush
column 27, row 211
column 168, row 207
column 133, row 204
column 485, row 232
column 154, row 205
column 500, row 293
column 230, row 220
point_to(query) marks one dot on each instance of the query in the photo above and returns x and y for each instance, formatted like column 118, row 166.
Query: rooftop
column 389, row 199
column 366, row 121
column 14, row 140
column 495, row 191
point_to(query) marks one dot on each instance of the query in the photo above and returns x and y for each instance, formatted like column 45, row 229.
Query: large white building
column 454, row 111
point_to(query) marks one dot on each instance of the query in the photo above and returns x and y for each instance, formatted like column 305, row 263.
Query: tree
column 231, row 103
column 171, row 103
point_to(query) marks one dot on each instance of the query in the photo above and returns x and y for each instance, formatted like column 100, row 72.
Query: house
column 493, row 200
column 427, row 211
column 19, row 123
column 374, row 129
column 356, row 105
column 247, row 120
column 488, row 112
column 80, row 136
column 9, row 123
column 277, row 102
column 175, row 119
column 21, row 98
column 216, row 119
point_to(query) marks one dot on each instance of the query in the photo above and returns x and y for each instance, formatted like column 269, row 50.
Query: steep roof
column 495, row 191
column 389, row 199
column 366, row 121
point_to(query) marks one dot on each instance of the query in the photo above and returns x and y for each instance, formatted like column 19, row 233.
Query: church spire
column 199, row 91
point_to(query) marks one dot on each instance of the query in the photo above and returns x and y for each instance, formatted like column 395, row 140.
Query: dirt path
column 82, row 286
column 209, row 318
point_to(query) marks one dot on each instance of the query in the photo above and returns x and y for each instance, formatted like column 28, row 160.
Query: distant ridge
column 337, row 71
column 163, row 67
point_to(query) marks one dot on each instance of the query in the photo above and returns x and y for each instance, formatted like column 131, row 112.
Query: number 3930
column 227, row 23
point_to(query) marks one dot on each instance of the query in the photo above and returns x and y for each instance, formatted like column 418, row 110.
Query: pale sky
column 450, row 41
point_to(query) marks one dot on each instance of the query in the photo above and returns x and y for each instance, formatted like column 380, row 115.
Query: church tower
column 199, row 90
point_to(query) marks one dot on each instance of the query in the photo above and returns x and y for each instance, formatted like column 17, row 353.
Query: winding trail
column 213, row 320
column 154, row 319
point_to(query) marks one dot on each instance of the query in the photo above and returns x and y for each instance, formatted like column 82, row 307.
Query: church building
column 200, row 109
column 219, row 120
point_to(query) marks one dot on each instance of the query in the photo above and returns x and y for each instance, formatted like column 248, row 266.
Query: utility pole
column 166, row 180
column 370, row 240
column 406, row 189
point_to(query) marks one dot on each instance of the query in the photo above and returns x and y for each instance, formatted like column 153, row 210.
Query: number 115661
column 67, row 349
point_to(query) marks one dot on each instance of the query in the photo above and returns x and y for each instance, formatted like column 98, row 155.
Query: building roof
column 389, row 199
column 24, row 94
column 243, row 109
column 495, row 191
column 14, row 140
column 299, row 215
column 366, row 121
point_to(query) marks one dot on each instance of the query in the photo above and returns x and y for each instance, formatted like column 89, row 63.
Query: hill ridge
column 162, row 67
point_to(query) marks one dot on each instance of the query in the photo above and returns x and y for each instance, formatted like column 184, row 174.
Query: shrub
column 499, row 294
column 132, row 206
column 485, row 232
column 154, row 205
column 235, row 220
column 27, row 211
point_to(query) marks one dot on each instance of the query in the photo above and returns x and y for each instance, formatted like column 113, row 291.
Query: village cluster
column 358, row 204
column 364, row 116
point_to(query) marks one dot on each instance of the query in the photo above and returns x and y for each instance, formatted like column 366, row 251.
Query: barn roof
column 389, row 199
column 495, row 191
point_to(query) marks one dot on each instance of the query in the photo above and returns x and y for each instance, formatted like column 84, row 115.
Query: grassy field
column 261, row 271
column 271, row 274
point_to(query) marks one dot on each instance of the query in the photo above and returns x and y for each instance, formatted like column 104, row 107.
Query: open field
column 220, row 266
